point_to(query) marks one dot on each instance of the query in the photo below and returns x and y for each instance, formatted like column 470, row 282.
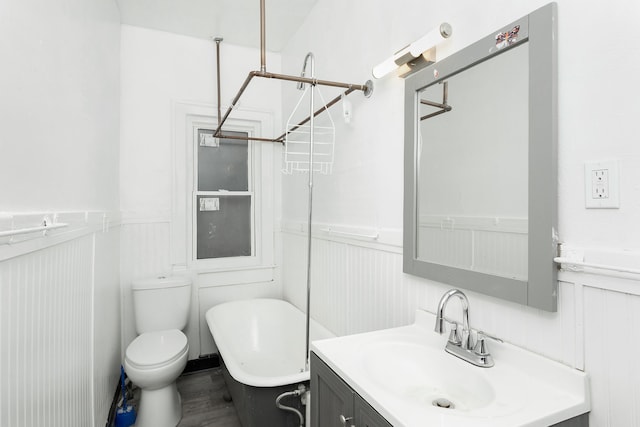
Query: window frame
column 186, row 118
column 253, row 170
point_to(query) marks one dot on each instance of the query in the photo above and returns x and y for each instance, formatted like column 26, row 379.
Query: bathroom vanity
column 403, row 377
column 333, row 400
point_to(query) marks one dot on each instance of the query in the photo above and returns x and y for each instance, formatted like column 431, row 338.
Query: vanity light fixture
column 416, row 55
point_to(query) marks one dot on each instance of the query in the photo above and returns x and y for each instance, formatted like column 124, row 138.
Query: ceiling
column 237, row 21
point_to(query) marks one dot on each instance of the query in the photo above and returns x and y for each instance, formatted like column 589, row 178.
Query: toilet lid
column 152, row 349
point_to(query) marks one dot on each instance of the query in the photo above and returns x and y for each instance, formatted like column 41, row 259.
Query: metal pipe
column 304, row 70
column 311, row 59
column 445, row 92
column 434, row 104
column 301, row 389
column 313, row 81
column 218, row 40
column 263, row 42
column 233, row 103
column 437, row 113
column 246, row 138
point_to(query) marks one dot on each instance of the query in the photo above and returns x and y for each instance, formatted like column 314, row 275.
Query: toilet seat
column 152, row 350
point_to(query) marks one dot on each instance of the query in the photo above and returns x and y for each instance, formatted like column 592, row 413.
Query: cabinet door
column 331, row 398
column 366, row 416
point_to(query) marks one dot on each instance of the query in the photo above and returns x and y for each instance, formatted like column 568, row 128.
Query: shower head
column 304, row 69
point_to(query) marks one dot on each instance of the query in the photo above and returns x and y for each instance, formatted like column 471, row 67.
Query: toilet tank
column 161, row 303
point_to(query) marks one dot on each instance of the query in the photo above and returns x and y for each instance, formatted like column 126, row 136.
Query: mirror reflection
column 473, row 168
column 480, row 184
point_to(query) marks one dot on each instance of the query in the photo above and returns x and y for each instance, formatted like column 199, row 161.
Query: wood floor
column 202, row 400
column 203, row 404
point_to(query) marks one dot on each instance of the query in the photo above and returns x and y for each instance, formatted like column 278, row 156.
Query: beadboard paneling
column 106, row 315
column 46, row 332
column 612, row 322
column 354, row 288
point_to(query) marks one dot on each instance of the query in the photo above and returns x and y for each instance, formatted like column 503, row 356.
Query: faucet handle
column 481, row 348
column 454, row 337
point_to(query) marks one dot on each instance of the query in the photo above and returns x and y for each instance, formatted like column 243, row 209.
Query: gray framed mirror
column 480, row 189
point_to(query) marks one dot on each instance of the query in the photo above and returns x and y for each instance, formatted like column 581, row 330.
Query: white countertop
column 399, row 371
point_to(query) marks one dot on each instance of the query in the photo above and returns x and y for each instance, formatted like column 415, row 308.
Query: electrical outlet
column 602, row 187
column 600, row 184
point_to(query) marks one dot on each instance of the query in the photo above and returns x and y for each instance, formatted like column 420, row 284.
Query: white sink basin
column 440, row 381
column 406, row 375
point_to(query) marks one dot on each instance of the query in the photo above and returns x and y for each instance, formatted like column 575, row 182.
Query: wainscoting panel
column 353, row 288
column 106, row 312
column 46, row 332
column 612, row 322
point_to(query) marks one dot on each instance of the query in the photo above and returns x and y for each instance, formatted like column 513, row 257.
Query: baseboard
column 207, row 361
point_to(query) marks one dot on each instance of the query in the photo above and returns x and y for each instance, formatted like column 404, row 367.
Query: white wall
column 59, row 109
column 59, row 120
column 359, row 285
column 159, row 71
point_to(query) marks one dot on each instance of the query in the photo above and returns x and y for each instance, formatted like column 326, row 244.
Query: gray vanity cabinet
column 366, row 416
column 335, row 404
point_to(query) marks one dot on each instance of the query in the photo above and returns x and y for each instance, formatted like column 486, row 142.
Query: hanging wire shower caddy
column 299, row 155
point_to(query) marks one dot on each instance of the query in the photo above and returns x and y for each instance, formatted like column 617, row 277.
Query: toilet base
column 160, row 407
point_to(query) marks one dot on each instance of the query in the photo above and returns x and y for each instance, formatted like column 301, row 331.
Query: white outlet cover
column 612, row 201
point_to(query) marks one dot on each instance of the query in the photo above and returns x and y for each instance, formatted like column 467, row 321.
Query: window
column 224, row 197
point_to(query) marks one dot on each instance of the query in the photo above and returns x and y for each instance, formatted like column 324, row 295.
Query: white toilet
column 154, row 360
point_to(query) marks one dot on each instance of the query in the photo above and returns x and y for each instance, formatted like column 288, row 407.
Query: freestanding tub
column 262, row 346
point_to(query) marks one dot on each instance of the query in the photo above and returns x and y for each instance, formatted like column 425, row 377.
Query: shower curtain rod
column 366, row 88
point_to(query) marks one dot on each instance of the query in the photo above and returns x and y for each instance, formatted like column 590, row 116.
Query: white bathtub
column 262, row 341
column 262, row 347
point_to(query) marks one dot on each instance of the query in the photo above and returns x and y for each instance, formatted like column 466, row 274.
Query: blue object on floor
column 125, row 416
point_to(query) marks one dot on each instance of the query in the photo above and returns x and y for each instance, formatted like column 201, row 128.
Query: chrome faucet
column 464, row 339
column 461, row 344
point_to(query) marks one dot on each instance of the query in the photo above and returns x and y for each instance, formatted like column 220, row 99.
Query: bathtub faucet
column 461, row 344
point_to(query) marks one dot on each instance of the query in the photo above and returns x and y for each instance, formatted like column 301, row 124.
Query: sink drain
column 443, row 403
